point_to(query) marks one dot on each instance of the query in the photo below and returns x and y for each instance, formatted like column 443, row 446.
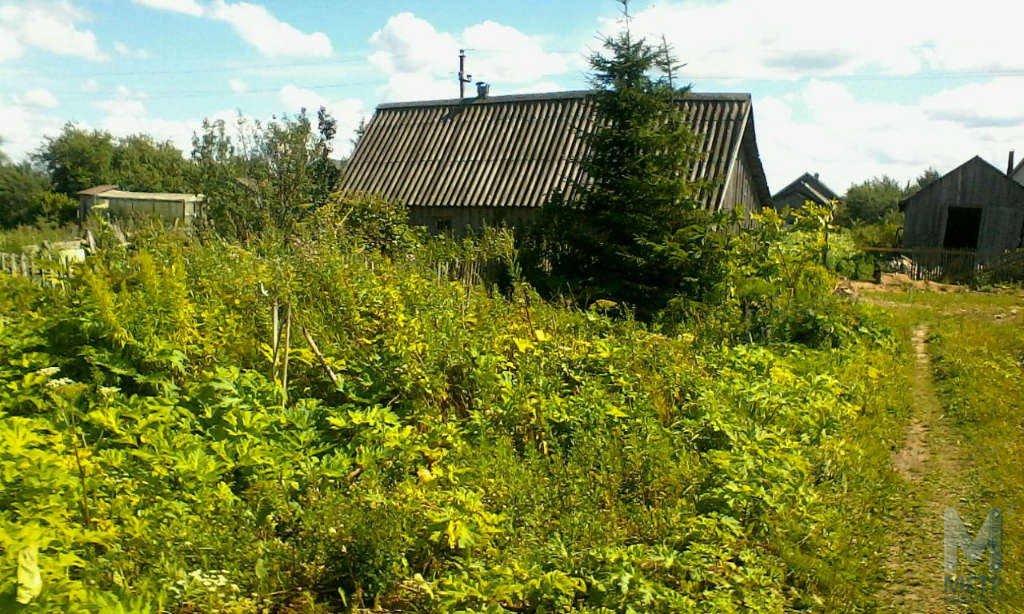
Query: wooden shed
column 975, row 206
column 806, row 187
column 490, row 160
column 118, row 203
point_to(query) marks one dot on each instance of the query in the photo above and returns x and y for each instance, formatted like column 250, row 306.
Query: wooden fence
column 939, row 264
column 41, row 268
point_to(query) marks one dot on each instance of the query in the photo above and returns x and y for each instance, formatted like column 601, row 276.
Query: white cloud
column 23, row 127
column 347, row 112
column 408, row 44
column 787, row 39
column 127, row 114
column 271, row 36
column 255, row 25
column 502, row 54
column 10, row 48
column 50, row 26
column 125, row 50
column 188, row 7
column 420, row 62
column 125, row 103
column 979, row 105
column 238, row 86
column 90, row 85
column 37, row 98
column 178, row 132
column 419, row 86
column 823, row 127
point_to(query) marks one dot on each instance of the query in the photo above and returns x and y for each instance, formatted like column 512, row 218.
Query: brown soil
column 902, row 281
column 929, row 462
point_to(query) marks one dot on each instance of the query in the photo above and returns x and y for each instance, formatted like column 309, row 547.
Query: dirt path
column 930, row 463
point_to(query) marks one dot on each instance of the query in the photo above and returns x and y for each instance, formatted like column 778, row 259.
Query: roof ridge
column 563, row 95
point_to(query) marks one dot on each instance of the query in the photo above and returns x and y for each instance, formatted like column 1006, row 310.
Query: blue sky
column 850, row 90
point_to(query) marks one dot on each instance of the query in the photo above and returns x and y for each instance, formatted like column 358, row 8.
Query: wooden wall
column 741, row 191
column 974, row 184
column 458, row 219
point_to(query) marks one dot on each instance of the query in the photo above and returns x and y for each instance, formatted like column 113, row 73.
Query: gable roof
column 1018, row 172
column 515, row 151
column 939, row 184
column 810, row 185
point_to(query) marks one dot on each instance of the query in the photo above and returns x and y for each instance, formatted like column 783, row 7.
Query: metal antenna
column 463, row 77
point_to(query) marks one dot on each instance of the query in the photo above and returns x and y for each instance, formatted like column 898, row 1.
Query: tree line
column 254, row 175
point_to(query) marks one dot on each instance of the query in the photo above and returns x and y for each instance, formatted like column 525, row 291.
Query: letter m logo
column 990, row 537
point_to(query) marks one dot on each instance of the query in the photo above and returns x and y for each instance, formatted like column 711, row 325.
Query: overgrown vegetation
column 442, row 448
column 870, row 209
column 262, row 178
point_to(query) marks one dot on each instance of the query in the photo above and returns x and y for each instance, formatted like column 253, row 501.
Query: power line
column 1016, row 72
column 191, row 71
column 221, row 92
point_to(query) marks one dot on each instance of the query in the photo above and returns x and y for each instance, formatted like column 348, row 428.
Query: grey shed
column 974, row 206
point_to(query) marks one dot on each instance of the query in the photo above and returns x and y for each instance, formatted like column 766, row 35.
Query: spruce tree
column 636, row 233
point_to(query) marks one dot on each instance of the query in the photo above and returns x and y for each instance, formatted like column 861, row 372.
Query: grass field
column 975, row 348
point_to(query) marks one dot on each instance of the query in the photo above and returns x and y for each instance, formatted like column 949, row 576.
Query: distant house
column 1018, row 172
column 493, row 160
column 114, row 202
column 806, row 187
column 974, row 206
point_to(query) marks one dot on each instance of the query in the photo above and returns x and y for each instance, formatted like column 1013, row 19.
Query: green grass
column 980, row 376
column 977, row 348
column 16, row 240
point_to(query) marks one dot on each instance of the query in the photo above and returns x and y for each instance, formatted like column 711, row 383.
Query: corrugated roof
column 100, row 189
column 172, row 196
column 515, row 151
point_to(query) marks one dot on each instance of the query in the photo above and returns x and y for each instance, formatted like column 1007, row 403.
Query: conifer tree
column 636, row 233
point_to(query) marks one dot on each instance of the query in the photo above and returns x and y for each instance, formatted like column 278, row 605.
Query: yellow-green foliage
column 477, row 452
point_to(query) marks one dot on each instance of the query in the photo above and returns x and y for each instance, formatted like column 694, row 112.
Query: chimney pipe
column 463, row 77
column 482, row 89
column 1009, row 165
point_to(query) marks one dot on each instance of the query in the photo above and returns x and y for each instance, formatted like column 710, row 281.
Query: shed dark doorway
column 962, row 225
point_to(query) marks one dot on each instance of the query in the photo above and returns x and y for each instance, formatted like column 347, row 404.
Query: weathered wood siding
column 975, row 184
column 741, row 191
column 458, row 219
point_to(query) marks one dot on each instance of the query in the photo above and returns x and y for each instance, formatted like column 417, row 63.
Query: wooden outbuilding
column 118, row 203
column 973, row 207
column 496, row 160
column 806, row 187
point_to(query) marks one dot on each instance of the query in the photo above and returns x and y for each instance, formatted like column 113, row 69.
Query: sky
column 848, row 90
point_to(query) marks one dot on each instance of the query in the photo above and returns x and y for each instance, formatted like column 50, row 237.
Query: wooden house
column 806, row 187
column 975, row 206
column 464, row 163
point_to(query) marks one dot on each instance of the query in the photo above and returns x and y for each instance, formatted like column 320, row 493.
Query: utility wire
column 223, row 92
